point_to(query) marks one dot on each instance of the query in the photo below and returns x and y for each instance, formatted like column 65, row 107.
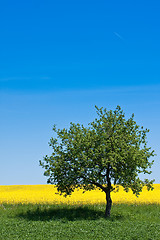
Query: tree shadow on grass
column 66, row 213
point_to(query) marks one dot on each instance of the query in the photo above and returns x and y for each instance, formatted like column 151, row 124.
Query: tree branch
column 98, row 185
column 95, row 183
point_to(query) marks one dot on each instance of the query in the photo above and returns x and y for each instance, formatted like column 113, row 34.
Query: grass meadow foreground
column 25, row 214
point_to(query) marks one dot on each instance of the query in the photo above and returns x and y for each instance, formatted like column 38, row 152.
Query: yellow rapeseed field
column 46, row 194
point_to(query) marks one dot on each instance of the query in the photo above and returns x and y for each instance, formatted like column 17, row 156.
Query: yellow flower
column 47, row 194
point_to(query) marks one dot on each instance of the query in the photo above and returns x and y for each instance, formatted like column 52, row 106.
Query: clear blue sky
column 58, row 59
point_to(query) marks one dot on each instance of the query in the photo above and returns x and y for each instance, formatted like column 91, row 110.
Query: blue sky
column 58, row 59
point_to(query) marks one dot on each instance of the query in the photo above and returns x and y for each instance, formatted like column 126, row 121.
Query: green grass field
column 60, row 222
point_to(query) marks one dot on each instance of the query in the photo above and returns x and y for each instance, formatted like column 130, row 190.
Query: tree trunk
column 108, row 195
column 109, row 204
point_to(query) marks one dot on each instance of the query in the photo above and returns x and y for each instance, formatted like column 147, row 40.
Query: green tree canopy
column 111, row 151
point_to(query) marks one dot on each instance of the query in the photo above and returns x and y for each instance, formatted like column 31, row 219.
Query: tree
column 110, row 152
